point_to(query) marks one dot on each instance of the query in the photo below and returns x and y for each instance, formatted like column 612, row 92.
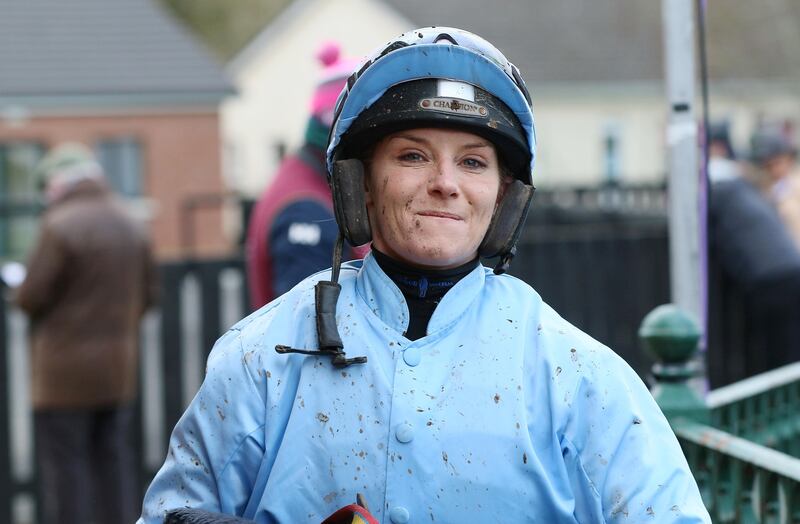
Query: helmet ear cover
column 349, row 201
column 350, row 208
column 507, row 221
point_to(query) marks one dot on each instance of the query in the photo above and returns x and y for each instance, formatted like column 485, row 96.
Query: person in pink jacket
column 292, row 228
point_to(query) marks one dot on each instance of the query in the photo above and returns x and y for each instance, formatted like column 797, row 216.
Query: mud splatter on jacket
column 503, row 411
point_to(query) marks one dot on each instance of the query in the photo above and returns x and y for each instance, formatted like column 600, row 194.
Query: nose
column 443, row 181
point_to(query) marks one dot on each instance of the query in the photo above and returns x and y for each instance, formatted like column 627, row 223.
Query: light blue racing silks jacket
column 504, row 412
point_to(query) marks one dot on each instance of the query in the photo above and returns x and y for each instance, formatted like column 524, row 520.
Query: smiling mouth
column 439, row 214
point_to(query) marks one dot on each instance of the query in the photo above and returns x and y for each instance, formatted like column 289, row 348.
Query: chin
column 439, row 256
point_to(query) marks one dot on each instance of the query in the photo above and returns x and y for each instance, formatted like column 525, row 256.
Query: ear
column 348, row 186
column 508, row 219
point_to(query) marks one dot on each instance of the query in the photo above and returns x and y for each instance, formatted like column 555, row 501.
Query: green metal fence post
column 670, row 335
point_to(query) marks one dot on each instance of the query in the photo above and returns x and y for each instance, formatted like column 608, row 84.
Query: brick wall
column 180, row 162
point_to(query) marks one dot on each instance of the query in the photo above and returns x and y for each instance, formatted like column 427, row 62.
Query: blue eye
column 474, row 163
column 411, row 157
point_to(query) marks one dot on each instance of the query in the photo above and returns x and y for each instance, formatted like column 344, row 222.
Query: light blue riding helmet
column 450, row 56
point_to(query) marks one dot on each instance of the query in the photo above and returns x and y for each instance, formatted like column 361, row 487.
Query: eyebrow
column 425, row 141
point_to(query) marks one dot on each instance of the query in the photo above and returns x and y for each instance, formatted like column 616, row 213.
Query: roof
column 559, row 42
column 754, row 40
column 620, row 41
column 95, row 48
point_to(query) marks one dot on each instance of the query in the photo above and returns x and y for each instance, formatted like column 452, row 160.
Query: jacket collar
column 386, row 301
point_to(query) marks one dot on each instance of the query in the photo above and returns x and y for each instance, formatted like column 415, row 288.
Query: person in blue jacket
column 439, row 389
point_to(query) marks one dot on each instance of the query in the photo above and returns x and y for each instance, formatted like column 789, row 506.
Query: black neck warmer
column 422, row 288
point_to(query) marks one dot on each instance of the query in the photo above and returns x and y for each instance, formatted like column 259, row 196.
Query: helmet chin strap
column 505, row 261
column 326, row 295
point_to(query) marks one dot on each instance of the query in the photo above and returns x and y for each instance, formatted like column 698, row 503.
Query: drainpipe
column 687, row 248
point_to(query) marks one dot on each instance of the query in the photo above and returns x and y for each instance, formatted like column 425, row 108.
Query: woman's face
column 431, row 194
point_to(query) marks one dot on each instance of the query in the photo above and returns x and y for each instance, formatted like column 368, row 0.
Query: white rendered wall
column 570, row 129
column 276, row 86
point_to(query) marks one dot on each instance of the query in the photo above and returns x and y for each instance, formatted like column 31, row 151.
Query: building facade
column 130, row 82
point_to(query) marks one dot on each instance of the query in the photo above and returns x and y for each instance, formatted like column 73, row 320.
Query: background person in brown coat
column 90, row 279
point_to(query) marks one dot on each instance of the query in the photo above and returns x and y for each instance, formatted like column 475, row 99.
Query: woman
column 469, row 398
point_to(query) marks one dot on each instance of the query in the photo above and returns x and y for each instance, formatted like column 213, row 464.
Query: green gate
column 742, row 441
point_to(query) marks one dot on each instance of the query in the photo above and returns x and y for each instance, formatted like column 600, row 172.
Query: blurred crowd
column 769, row 166
column 755, row 202
column 754, row 227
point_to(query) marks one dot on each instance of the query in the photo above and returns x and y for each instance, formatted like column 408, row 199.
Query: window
column 20, row 203
column 611, row 152
column 122, row 163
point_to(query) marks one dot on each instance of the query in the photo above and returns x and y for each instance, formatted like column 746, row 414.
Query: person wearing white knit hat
column 90, row 278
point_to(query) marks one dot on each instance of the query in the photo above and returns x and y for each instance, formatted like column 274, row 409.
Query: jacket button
column 404, row 432
column 412, row 356
column 399, row 515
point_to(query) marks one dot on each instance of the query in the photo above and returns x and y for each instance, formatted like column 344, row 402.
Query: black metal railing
column 740, row 440
column 200, row 299
column 603, row 268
